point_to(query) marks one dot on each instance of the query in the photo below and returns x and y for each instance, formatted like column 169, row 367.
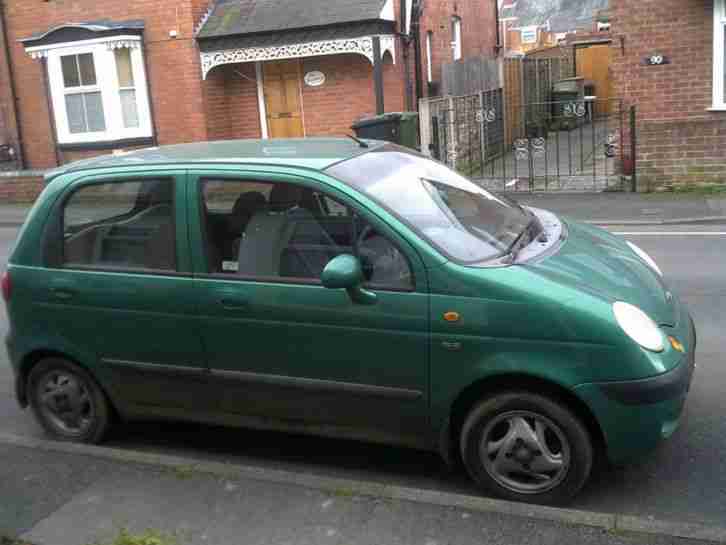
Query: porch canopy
column 237, row 31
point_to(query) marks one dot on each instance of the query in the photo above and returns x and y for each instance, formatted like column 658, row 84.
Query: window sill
column 716, row 109
column 107, row 144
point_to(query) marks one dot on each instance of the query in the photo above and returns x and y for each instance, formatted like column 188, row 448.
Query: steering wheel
column 382, row 262
column 364, row 234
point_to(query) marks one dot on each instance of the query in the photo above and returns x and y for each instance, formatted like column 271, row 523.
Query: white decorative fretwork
column 114, row 42
column 120, row 44
column 361, row 46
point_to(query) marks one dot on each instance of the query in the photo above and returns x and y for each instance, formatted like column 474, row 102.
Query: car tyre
column 67, row 402
column 521, row 446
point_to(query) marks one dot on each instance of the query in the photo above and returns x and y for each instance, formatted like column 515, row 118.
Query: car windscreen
column 462, row 220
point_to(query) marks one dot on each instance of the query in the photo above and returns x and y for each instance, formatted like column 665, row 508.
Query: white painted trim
column 388, row 13
column 130, row 41
column 719, row 60
column 409, row 16
column 429, row 55
column 361, row 46
column 261, row 100
column 456, row 38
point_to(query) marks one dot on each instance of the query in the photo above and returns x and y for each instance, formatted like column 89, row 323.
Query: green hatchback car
column 345, row 288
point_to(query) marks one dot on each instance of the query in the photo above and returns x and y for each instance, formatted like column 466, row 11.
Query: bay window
column 98, row 90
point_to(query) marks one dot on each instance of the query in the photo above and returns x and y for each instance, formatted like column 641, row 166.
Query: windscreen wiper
column 519, row 242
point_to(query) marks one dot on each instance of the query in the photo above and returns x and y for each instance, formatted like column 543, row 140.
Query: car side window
column 121, row 225
column 270, row 230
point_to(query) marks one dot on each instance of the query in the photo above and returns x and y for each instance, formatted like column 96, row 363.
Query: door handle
column 233, row 302
column 63, row 293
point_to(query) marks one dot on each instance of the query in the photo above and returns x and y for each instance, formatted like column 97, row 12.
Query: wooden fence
column 470, row 76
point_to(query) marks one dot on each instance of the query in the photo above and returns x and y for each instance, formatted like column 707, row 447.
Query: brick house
column 93, row 77
column 668, row 59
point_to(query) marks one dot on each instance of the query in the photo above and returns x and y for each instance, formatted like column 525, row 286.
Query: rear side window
column 121, row 225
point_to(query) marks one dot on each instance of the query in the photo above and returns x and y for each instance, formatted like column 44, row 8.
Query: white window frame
column 107, row 82
column 429, row 57
column 719, row 55
column 456, row 37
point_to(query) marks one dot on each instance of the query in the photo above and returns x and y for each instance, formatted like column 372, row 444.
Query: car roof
column 312, row 153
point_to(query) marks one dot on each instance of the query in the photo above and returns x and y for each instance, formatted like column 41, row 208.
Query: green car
column 344, row 288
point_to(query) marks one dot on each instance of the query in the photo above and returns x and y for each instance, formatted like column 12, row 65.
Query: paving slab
column 57, row 495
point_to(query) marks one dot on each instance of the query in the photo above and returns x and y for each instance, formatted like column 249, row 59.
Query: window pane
column 384, row 265
column 94, row 112
column 457, row 216
column 127, row 225
column 272, row 230
column 75, row 113
column 86, row 68
column 123, row 67
column 128, row 108
column 70, row 71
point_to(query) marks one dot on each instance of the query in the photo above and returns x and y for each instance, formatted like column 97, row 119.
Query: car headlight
column 645, row 257
column 638, row 326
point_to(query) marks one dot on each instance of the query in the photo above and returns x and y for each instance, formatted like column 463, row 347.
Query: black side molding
column 319, row 385
column 156, row 367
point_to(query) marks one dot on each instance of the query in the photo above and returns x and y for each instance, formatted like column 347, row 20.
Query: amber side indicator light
column 676, row 344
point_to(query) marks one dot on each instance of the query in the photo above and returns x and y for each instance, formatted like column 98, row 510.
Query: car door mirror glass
column 344, row 272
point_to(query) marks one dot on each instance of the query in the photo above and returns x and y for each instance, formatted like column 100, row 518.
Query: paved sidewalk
column 632, row 208
column 62, row 498
column 13, row 215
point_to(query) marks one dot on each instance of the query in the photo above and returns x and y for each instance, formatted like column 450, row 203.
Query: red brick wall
column 231, row 102
column 679, row 140
column 174, row 72
column 21, row 189
column 348, row 92
column 478, row 31
column 8, row 133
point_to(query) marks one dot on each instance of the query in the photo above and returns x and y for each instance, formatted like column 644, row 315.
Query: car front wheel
column 67, row 402
column 525, row 447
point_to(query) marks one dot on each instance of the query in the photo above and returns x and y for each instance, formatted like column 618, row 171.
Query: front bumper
column 636, row 415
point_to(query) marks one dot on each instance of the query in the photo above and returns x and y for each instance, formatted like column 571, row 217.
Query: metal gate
column 577, row 145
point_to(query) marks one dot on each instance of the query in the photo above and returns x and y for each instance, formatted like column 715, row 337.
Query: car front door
column 117, row 289
column 283, row 348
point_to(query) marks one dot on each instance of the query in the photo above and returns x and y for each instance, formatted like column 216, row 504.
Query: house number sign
column 314, row 78
column 656, row 60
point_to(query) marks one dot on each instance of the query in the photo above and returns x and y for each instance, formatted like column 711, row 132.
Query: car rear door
column 117, row 288
column 280, row 346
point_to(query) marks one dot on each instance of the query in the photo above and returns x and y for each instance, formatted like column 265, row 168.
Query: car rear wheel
column 67, row 402
column 525, row 447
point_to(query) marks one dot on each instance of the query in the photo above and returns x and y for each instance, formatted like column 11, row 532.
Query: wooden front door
column 281, row 83
column 593, row 63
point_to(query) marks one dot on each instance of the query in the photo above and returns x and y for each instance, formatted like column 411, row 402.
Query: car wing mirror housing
column 345, row 272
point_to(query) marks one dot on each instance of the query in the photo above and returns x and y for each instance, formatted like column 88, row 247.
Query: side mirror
column 344, row 272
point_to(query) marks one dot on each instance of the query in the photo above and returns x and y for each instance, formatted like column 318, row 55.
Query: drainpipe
column 405, row 44
column 378, row 75
column 13, row 95
column 416, row 29
column 498, row 46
